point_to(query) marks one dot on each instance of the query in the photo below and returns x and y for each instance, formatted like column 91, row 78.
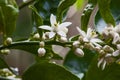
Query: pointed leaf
column 47, row 71
column 104, row 8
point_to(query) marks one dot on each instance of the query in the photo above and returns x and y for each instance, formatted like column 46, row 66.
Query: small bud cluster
column 41, row 50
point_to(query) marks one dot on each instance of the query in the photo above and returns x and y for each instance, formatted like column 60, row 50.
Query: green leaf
column 3, row 64
column 114, row 8
column 79, row 4
column 8, row 16
column 104, row 8
column 78, row 65
column 87, row 13
column 111, row 72
column 45, row 8
column 47, row 71
column 37, row 19
column 63, row 6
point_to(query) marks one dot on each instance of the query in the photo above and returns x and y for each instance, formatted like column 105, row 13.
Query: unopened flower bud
column 36, row 36
column 79, row 52
column 76, row 44
column 97, row 49
column 42, row 44
column 102, row 52
column 116, row 53
column 5, row 51
column 118, row 46
column 107, row 48
column 63, row 39
column 8, row 41
column 41, row 52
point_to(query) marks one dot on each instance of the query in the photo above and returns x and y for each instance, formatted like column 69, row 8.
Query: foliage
column 94, row 53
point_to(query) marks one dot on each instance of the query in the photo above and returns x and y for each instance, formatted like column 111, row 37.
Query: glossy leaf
column 8, row 15
column 87, row 13
column 114, row 8
column 3, row 64
column 45, row 8
column 64, row 5
column 78, row 65
column 37, row 19
column 111, row 72
column 104, row 8
column 48, row 71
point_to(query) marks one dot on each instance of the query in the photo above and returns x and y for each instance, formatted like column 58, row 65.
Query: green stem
column 35, row 43
column 25, row 4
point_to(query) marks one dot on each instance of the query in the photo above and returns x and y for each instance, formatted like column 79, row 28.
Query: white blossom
column 106, row 59
column 60, row 29
column 90, row 36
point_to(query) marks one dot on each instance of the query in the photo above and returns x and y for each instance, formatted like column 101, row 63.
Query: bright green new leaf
column 79, row 4
column 63, row 6
column 111, row 72
column 48, row 71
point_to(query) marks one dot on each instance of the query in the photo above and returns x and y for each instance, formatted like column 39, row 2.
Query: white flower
column 90, row 36
column 41, row 52
column 110, row 31
column 60, row 29
column 79, row 52
column 106, row 59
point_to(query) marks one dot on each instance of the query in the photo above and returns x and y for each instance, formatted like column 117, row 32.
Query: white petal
column 61, row 33
column 116, row 53
column 115, row 38
column 82, row 33
column 65, row 24
column 104, row 64
column 100, row 62
column 89, row 32
column 45, row 27
column 96, row 40
column 53, row 20
column 64, row 29
column 51, row 34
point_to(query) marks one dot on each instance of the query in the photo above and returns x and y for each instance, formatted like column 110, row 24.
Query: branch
column 35, row 43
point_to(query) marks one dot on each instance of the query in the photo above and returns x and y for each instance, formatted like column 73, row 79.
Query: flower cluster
column 86, row 40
